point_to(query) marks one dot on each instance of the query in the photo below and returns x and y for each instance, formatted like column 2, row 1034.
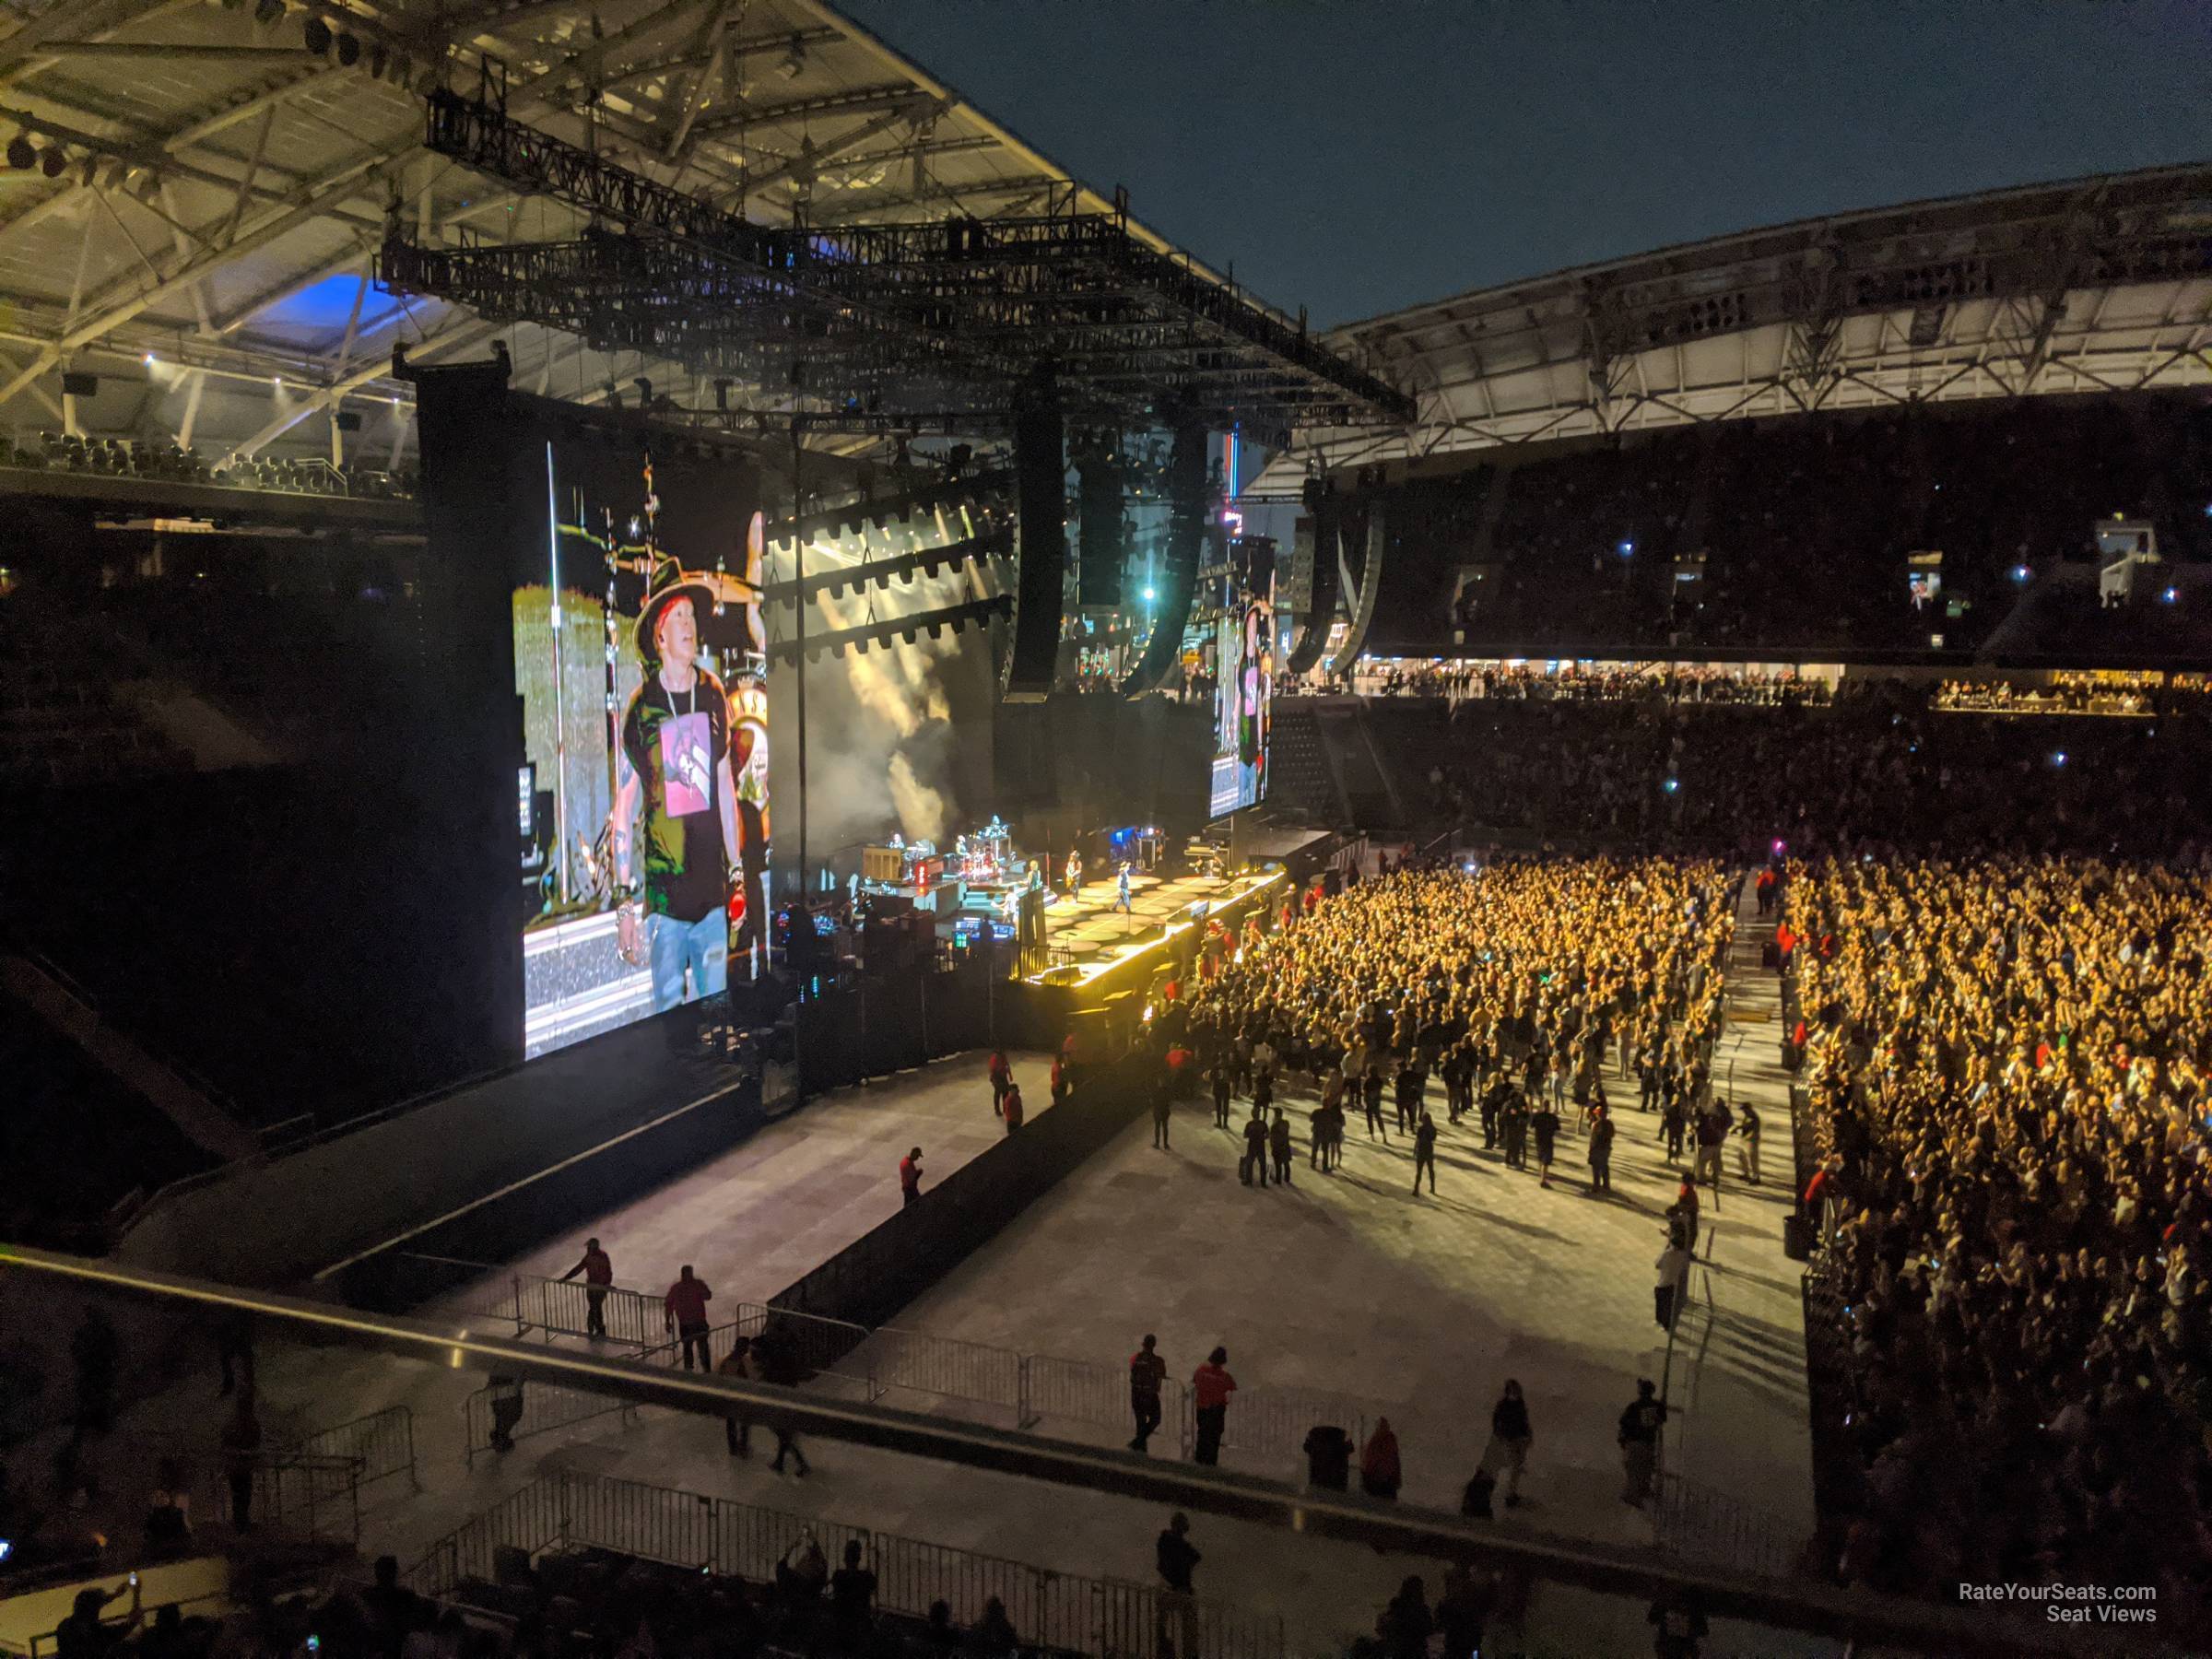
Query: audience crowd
column 2006, row 1062
column 1516, row 986
column 1878, row 766
column 1588, row 682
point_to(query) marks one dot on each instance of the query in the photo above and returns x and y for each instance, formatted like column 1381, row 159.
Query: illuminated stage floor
column 1090, row 932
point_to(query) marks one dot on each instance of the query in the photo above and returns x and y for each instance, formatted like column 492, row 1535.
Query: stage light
column 2170, row 594
column 794, row 60
column 2021, row 572
column 1671, row 785
column 349, row 50
column 1150, row 595
column 318, row 36
column 1627, row 549
column 2059, row 758
column 52, row 162
column 22, row 155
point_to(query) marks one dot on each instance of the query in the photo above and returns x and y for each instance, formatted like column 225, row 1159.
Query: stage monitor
column 1243, row 694
column 641, row 665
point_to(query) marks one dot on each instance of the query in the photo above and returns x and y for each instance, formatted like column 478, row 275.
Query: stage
column 1088, row 933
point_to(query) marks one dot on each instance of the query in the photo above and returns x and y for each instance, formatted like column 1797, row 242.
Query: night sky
column 1356, row 157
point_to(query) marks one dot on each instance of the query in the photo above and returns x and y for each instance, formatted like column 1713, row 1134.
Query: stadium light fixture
column 1150, row 595
column 2170, row 594
column 2021, row 573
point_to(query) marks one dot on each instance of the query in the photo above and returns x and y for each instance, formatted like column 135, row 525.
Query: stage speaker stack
column 1325, row 508
column 1103, row 528
column 1187, row 517
column 1041, row 501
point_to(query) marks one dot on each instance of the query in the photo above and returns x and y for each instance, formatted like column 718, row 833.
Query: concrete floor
column 772, row 1208
column 1346, row 1284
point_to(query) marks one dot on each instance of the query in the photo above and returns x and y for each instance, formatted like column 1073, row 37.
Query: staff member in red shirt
column 598, row 1270
column 685, row 1312
column 910, row 1178
column 1002, row 1079
column 1210, row 1387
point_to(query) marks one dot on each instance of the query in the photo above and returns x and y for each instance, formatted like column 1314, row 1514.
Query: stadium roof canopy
column 194, row 191
column 2098, row 285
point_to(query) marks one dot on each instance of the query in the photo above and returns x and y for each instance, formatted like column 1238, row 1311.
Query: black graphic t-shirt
column 677, row 744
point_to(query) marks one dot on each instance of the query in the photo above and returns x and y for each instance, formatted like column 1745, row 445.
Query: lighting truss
column 939, row 504
column 950, row 618
column 892, row 567
column 947, row 315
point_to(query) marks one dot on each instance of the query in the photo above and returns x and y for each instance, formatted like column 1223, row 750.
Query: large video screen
column 641, row 665
column 1244, row 696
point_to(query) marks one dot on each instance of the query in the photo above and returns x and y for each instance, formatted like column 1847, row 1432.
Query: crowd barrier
column 382, row 1444
column 545, row 1408
column 1043, row 1392
column 308, row 1494
column 1070, row 1613
column 1696, row 1521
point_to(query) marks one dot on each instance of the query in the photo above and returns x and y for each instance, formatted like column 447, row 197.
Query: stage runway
column 1090, row 932
column 794, row 1192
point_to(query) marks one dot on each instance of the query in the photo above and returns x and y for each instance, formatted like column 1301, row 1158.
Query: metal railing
column 1270, row 1425
column 556, row 1307
column 1067, row 1612
column 545, row 1408
column 1083, row 1391
column 1695, row 1520
column 49, row 1642
column 382, row 1444
column 1266, row 1426
column 943, row 1366
column 310, row 1495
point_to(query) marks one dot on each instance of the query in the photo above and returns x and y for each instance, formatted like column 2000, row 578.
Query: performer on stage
column 675, row 765
column 1075, row 873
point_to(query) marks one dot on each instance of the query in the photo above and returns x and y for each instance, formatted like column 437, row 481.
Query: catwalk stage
column 1089, row 932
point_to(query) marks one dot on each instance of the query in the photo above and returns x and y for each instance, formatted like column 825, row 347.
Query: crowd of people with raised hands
column 2006, row 1061
column 1521, row 988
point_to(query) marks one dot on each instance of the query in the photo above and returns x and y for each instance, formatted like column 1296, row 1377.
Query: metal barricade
column 306, row 1494
column 1704, row 1524
column 669, row 1352
column 545, row 1408
column 1083, row 1391
column 1080, row 1390
column 529, row 1520
column 381, row 1442
column 809, row 1345
column 1066, row 1613
column 943, row 1366
column 563, row 1306
column 1269, row 1425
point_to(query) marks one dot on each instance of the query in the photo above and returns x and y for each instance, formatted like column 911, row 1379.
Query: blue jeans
column 701, row 948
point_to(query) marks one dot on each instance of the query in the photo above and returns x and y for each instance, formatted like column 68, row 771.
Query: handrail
column 156, row 1052
column 267, row 1154
column 1055, row 1611
column 1859, row 1615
